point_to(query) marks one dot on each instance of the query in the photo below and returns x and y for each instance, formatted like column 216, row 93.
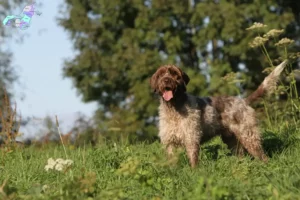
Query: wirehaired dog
column 186, row 120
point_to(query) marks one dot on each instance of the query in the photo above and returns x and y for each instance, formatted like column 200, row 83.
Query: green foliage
column 288, row 110
column 120, row 44
column 141, row 171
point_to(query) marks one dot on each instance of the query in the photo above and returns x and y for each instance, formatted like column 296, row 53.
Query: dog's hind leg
column 252, row 144
column 234, row 145
column 249, row 137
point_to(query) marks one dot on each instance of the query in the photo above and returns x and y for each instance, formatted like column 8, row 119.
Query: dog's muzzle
column 167, row 88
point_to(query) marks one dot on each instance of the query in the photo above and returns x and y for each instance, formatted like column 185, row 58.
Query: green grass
column 142, row 171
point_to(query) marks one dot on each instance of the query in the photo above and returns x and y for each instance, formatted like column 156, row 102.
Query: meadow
column 142, row 171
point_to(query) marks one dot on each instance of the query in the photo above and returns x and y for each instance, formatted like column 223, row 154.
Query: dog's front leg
column 192, row 151
column 192, row 142
column 192, row 147
column 169, row 149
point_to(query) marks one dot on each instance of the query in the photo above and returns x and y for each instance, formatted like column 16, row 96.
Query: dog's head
column 169, row 81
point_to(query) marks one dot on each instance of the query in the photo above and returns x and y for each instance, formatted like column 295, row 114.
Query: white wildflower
column 256, row 25
column 51, row 161
column 59, row 167
column 45, row 187
column 60, row 160
column 47, row 167
column 50, row 165
column 273, row 33
column 58, row 164
column 258, row 41
column 284, row 42
column 68, row 162
column 115, row 147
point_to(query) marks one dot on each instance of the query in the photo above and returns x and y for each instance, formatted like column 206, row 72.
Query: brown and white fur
column 186, row 120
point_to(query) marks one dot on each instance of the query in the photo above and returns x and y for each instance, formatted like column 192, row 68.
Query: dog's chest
column 176, row 126
column 191, row 122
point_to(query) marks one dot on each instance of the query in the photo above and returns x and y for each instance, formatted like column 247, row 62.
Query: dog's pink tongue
column 167, row 95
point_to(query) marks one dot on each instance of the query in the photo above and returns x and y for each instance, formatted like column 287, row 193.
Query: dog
column 188, row 121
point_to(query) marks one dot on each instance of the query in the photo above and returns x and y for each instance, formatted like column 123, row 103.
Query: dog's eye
column 173, row 73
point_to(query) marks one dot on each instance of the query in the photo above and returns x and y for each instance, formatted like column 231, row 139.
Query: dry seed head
column 284, row 42
column 232, row 78
column 297, row 74
column 256, row 25
column 258, row 41
column 290, row 76
column 294, row 56
column 273, row 33
column 268, row 70
column 229, row 77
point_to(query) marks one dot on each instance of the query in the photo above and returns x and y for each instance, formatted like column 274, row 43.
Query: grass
column 142, row 171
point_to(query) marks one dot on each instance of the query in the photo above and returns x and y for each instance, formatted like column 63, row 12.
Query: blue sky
column 39, row 62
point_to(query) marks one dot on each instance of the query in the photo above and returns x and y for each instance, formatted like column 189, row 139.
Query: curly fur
column 186, row 120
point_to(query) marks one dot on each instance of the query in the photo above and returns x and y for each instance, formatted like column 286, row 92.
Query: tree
column 7, row 73
column 121, row 43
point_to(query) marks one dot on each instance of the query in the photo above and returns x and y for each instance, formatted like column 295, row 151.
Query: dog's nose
column 166, row 80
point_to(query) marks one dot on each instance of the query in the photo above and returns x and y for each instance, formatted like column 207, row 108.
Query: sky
column 38, row 61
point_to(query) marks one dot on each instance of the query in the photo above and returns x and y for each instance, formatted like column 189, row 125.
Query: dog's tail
column 268, row 85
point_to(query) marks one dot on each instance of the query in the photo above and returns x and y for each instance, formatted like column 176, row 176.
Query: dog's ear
column 153, row 81
column 183, row 75
column 186, row 78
